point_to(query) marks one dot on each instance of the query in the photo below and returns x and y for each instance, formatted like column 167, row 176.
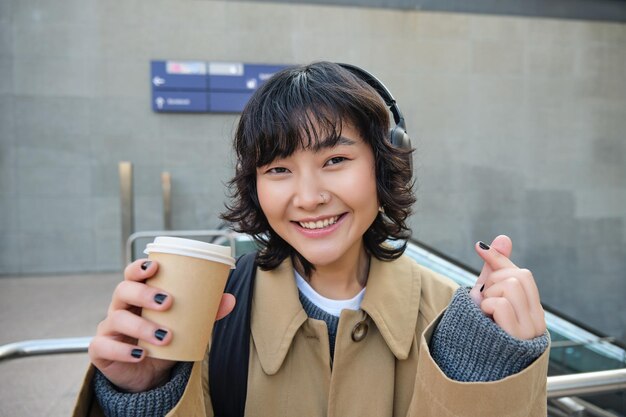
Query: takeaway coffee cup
column 195, row 274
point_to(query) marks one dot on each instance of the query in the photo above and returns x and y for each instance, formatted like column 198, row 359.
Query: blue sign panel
column 179, row 75
column 228, row 102
column 180, row 101
column 199, row 86
column 238, row 76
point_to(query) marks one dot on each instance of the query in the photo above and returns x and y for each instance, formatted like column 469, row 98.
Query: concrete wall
column 518, row 125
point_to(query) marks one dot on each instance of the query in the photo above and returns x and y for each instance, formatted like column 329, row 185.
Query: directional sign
column 179, row 75
column 228, row 102
column 199, row 86
column 238, row 76
column 180, row 101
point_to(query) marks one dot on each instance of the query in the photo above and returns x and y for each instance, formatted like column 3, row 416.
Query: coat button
column 359, row 331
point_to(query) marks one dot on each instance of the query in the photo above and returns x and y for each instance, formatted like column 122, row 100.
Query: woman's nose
column 309, row 194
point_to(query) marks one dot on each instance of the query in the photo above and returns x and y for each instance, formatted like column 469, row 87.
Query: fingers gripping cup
column 195, row 274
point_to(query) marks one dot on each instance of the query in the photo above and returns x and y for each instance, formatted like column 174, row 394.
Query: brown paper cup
column 196, row 286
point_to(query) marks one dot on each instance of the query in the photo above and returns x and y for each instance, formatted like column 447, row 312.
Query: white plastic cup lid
column 193, row 248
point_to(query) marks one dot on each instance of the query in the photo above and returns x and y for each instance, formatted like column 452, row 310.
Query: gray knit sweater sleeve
column 468, row 346
column 153, row 403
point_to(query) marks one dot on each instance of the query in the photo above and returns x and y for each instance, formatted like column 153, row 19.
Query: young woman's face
column 321, row 202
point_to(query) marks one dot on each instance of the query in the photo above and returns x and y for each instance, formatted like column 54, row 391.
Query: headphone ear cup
column 400, row 139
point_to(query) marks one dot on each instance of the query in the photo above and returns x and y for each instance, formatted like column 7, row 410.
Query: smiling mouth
column 320, row 224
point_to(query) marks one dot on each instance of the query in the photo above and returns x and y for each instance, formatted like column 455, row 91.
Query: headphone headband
column 380, row 88
column 397, row 135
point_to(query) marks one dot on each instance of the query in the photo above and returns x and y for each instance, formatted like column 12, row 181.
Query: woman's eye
column 335, row 160
column 277, row 170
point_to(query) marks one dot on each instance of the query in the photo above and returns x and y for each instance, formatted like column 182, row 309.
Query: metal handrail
column 558, row 386
column 574, row 343
column 44, row 347
column 177, row 233
column 587, row 383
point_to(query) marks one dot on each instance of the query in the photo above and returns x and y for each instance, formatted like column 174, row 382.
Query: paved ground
column 48, row 307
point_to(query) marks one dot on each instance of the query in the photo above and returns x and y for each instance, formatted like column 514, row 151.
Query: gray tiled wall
column 519, row 127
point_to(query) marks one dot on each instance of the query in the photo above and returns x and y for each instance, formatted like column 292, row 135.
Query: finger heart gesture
column 507, row 293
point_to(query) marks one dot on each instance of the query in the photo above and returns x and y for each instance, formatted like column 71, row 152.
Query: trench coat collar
column 391, row 299
column 277, row 314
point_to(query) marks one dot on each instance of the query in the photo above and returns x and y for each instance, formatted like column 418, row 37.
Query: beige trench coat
column 388, row 373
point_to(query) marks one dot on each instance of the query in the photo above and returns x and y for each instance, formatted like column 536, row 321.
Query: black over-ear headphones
column 397, row 135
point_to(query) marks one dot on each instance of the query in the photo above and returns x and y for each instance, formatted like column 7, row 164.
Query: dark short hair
column 293, row 110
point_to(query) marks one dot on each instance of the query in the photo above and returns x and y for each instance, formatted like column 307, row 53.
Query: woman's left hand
column 507, row 293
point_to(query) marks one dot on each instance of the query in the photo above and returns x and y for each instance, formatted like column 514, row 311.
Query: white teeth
column 320, row 223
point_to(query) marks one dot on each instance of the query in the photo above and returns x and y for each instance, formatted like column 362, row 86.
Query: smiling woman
column 326, row 115
column 341, row 323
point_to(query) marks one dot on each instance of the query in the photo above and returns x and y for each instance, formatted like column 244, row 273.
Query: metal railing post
column 127, row 205
column 166, row 186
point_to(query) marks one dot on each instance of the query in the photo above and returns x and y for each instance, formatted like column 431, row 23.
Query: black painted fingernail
column 482, row 288
column 483, row 245
column 136, row 353
column 160, row 334
column 159, row 298
column 146, row 265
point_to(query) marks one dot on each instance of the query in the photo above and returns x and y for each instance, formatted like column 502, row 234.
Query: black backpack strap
column 230, row 348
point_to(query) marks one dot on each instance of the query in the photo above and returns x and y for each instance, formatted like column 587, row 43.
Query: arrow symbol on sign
column 158, row 81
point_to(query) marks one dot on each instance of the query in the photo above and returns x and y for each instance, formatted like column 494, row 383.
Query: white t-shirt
column 330, row 306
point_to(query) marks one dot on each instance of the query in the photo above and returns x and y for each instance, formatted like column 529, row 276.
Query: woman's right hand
column 114, row 349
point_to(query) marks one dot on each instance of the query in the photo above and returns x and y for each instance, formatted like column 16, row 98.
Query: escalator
column 575, row 347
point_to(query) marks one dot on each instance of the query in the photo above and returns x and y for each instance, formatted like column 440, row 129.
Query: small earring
column 381, row 209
